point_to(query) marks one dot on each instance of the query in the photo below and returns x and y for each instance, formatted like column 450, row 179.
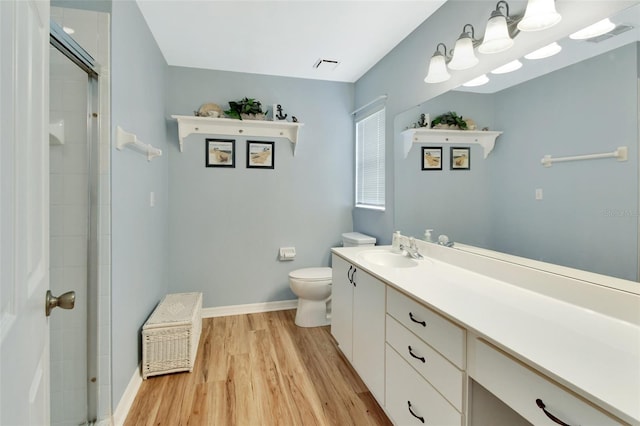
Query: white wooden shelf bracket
column 486, row 139
column 620, row 154
column 188, row 125
column 126, row 139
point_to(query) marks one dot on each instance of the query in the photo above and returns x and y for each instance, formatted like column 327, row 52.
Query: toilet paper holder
column 287, row 253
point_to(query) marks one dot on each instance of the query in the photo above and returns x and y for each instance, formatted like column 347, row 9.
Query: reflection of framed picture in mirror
column 260, row 155
column 221, row 153
column 431, row 158
column 460, row 158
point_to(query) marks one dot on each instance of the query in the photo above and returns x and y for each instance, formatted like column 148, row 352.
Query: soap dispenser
column 427, row 235
column 395, row 242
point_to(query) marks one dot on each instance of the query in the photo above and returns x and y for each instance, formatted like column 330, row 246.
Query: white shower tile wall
column 69, row 226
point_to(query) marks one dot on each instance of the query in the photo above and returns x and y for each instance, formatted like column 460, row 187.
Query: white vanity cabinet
column 530, row 394
column 426, row 381
column 342, row 305
column 358, row 322
column 420, row 337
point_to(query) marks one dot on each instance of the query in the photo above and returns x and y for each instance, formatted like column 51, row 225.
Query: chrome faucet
column 412, row 250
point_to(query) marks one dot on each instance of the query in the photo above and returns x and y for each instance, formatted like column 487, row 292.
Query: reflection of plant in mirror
column 449, row 120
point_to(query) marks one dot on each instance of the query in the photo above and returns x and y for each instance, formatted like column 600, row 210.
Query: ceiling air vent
column 619, row 29
column 326, row 64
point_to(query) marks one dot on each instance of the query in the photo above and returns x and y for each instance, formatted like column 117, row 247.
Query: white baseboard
column 252, row 308
column 121, row 411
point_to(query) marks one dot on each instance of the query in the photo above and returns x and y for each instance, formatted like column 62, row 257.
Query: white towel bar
column 124, row 139
column 620, row 154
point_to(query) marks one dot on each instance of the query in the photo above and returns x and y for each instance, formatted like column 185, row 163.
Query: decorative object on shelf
column 424, row 120
column 220, row 153
column 499, row 35
column 279, row 114
column 246, row 109
column 260, row 155
column 431, row 158
column 126, row 139
column 209, row 110
column 449, row 120
column 460, row 158
column 294, row 119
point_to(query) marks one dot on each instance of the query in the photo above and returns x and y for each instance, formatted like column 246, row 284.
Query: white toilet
column 313, row 287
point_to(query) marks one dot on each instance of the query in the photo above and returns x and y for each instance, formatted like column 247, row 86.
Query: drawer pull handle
column 421, row 358
column 540, row 404
column 414, row 414
column 351, row 278
column 424, row 324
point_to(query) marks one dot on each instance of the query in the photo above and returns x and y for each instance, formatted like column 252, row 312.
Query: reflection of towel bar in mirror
column 126, row 139
column 620, row 154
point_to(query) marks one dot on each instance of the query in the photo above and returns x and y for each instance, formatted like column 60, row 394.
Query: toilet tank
column 356, row 239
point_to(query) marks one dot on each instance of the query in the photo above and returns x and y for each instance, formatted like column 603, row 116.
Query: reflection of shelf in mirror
column 486, row 139
column 232, row 127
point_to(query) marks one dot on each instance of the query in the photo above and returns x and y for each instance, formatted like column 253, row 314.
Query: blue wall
column 226, row 224
column 139, row 232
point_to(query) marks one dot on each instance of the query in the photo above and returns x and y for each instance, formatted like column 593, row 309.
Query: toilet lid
column 311, row 274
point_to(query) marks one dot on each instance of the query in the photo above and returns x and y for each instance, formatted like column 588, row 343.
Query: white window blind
column 370, row 147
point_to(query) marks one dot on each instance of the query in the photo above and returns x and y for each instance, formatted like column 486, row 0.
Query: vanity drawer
column 443, row 375
column 404, row 387
column 440, row 333
column 521, row 387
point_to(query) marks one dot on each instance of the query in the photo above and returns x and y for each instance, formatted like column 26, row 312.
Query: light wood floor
column 259, row 369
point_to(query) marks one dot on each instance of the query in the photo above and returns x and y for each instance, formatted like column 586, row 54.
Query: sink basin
column 388, row 259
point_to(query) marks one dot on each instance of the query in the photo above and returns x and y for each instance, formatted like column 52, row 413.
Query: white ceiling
column 283, row 37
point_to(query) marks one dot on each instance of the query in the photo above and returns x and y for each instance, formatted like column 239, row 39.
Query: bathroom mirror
column 580, row 214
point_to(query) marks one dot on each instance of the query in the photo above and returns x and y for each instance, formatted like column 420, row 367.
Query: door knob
column 64, row 301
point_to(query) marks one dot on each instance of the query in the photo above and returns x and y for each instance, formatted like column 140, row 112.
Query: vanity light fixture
column 545, row 52
column 438, row 66
column 496, row 36
column 463, row 55
column 478, row 81
column 595, row 30
column 511, row 66
column 540, row 15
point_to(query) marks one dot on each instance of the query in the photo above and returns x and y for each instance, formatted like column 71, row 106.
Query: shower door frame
column 68, row 47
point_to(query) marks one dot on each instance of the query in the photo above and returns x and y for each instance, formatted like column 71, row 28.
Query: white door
column 24, row 212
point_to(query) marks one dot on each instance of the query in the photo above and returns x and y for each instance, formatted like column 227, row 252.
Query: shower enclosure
column 79, row 217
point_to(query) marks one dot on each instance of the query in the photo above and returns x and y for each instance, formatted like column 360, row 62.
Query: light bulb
column 540, row 15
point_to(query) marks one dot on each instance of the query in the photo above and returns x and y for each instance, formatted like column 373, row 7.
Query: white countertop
column 595, row 355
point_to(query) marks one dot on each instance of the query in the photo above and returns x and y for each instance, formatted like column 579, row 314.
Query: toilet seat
column 311, row 274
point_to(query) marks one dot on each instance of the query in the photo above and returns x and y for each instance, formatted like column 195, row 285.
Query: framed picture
column 221, row 152
column 431, row 158
column 460, row 158
column 260, row 155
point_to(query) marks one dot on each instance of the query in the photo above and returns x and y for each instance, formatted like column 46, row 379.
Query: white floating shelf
column 486, row 139
column 188, row 125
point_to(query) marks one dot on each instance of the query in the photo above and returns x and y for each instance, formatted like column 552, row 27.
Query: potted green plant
column 449, row 120
column 246, row 109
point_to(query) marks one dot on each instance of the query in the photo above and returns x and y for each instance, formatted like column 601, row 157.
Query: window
column 370, row 146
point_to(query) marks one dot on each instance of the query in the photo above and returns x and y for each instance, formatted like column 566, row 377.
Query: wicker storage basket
column 171, row 334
